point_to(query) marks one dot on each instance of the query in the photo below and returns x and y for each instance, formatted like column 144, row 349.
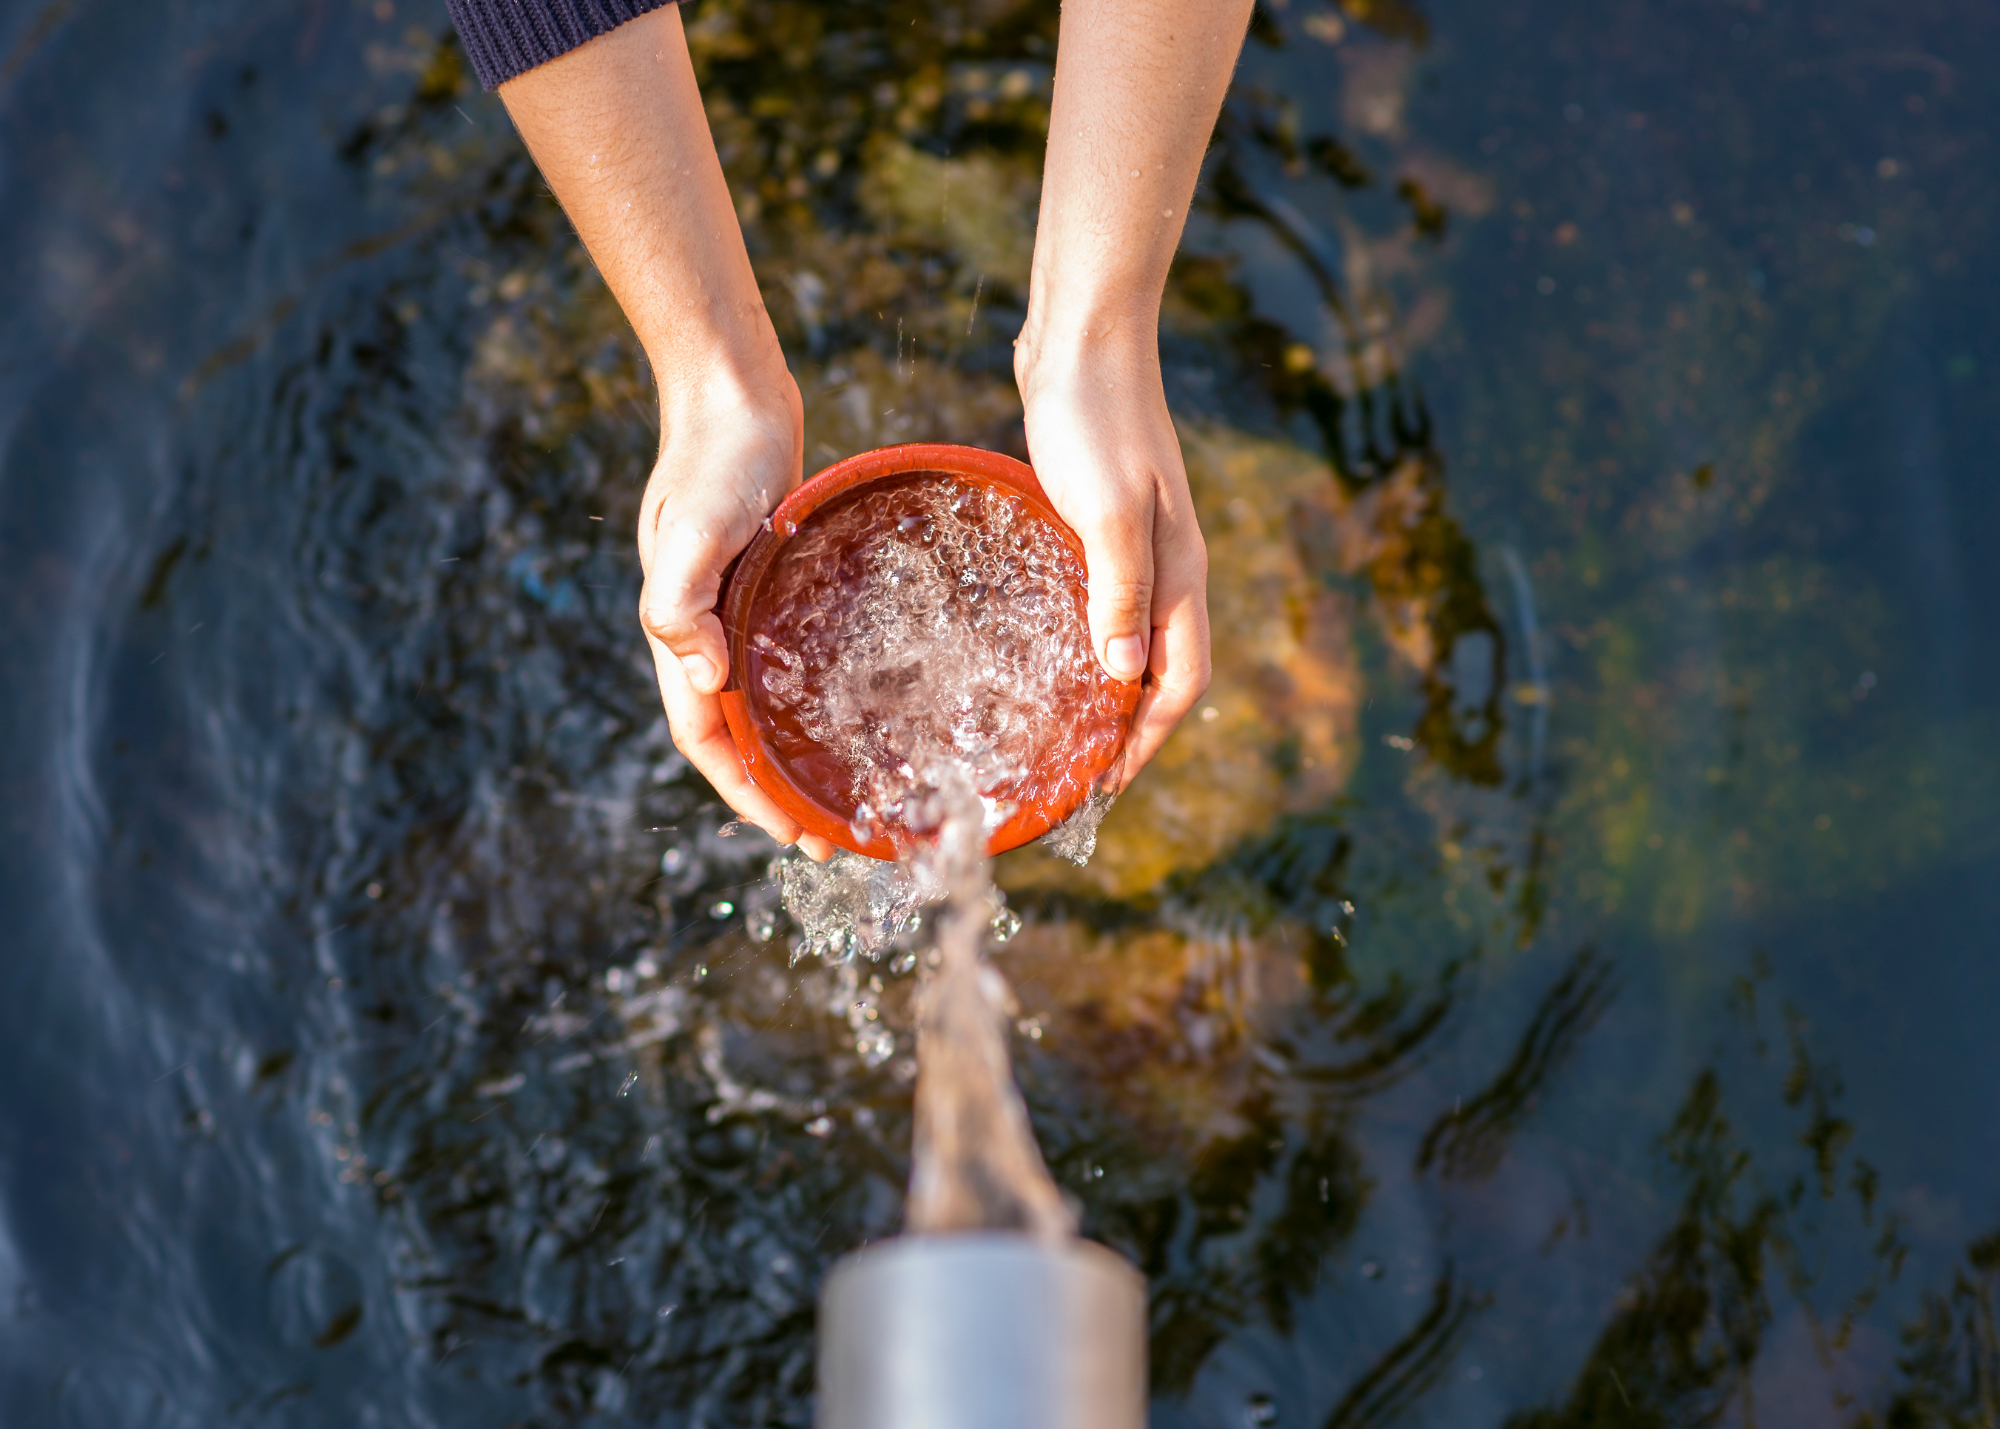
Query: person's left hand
column 1105, row 451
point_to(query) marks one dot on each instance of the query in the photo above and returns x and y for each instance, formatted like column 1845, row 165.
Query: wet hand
column 1105, row 450
column 726, row 463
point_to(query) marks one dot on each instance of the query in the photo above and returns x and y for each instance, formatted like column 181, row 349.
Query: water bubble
column 761, row 924
column 1259, row 1409
column 673, row 861
column 902, row 963
column 721, row 908
column 819, row 1126
column 876, row 1045
column 1372, row 1269
column 731, row 829
column 1006, row 923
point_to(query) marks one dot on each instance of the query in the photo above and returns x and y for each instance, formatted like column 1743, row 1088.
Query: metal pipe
column 989, row 1330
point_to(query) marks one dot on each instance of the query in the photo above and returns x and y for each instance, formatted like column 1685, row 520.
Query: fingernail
column 1125, row 656
column 700, row 671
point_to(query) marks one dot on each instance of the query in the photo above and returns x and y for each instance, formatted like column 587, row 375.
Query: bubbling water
column 922, row 626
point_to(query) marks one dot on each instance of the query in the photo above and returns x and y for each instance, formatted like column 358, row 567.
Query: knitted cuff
column 504, row 38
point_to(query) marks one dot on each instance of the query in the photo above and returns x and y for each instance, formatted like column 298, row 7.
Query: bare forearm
column 1138, row 86
column 618, row 130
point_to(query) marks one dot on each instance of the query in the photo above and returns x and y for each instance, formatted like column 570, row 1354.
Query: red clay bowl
column 1052, row 797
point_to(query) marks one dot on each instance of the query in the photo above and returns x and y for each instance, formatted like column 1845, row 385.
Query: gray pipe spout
column 988, row 1330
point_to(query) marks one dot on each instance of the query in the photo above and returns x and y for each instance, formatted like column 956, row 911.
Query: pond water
column 1549, row 981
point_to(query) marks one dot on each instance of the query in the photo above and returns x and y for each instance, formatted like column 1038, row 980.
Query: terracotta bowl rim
column 745, row 581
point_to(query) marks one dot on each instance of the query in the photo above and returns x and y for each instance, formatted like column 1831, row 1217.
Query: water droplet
column 875, row 1045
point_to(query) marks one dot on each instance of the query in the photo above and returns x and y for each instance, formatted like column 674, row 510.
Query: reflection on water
column 1544, row 983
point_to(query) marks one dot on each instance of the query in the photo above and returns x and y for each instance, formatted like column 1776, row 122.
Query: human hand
column 1138, row 86
column 726, row 463
column 616, row 125
column 1104, row 449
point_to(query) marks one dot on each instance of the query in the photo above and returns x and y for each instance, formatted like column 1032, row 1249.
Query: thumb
column 677, row 606
column 1118, row 559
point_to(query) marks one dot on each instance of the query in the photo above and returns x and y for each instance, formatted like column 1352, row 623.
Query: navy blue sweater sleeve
column 504, row 38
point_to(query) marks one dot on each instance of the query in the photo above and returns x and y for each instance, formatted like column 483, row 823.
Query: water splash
column 1075, row 838
column 975, row 1162
column 851, row 905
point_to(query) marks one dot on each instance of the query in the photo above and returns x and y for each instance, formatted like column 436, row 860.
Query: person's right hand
column 616, row 125
column 725, row 464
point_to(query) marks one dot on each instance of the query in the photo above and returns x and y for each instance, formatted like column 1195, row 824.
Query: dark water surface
column 1555, row 986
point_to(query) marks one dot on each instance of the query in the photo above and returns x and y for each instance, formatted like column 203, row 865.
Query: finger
column 1118, row 562
column 1180, row 665
column 1179, row 661
column 818, row 849
column 677, row 606
column 702, row 735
